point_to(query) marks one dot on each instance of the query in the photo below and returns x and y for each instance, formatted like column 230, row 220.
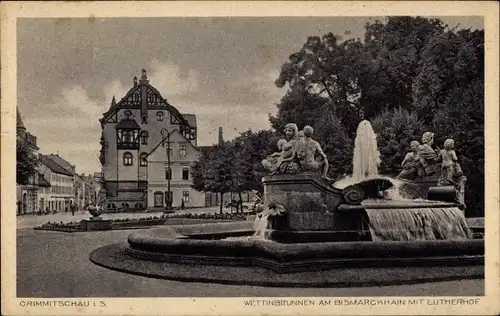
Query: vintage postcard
column 250, row 158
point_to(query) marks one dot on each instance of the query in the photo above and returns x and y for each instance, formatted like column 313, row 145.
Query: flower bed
column 124, row 223
column 210, row 216
column 62, row 227
column 142, row 222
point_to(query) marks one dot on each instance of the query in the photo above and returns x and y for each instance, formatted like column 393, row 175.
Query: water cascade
column 260, row 224
column 427, row 223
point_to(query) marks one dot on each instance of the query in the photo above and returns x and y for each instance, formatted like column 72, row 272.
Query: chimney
column 144, row 98
column 221, row 140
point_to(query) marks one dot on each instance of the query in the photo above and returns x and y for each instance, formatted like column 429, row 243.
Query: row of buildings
column 55, row 187
column 147, row 150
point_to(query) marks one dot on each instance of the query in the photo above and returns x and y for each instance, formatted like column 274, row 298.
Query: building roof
column 190, row 118
column 138, row 85
column 19, row 122
column 128, row 124
column 54, row 166
column 63, row 163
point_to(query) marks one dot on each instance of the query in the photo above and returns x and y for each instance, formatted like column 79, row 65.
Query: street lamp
column 166, row 134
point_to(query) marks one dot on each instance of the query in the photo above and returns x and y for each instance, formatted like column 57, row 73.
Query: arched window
column 128, row 159
column 127, row 114
column 143, row 160
column 159, row 115
column 144, row 137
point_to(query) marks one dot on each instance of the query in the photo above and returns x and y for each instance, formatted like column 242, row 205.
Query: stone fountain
column 96, row 223
column 309, row 223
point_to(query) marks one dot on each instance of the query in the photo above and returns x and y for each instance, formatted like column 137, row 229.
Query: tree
column 454, row 106
column 199, row 173
column 301, row 108
column 253, row 148
column 26, row 162
column 321, row 75
column 234, row 165
column 336, row 144
column 462, row 120
column 391, row 60
column 210, row 173
column 395, row 130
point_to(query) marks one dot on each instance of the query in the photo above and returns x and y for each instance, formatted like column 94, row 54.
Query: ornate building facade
column 147, row 146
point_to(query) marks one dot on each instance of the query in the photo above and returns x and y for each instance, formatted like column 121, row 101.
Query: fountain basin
column 176, row 245
column 210, row 253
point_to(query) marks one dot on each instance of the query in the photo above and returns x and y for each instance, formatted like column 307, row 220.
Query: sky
column 221, row 69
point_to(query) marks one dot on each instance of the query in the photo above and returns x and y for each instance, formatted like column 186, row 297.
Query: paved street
column 30, row 221
column 55, row 264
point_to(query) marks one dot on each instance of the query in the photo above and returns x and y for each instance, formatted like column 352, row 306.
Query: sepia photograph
column 311, row 164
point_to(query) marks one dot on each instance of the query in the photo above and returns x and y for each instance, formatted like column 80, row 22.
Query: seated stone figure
column 411, row 164
column 309, row 154
column 429, row 158
column 282, row 162
column 273, row 161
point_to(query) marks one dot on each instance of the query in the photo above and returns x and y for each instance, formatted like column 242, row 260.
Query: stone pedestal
column 96, row 224
column 310, row 203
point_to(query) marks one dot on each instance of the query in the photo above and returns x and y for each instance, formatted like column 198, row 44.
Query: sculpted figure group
column 298, row 152
column 424, row 161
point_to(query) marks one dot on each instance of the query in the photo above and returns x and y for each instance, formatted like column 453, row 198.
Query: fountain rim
column 301, row 178
column 114, row 257
column 179, row 240
column 392, row 204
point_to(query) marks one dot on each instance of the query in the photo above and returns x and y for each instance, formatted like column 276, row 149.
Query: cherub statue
column 450, row 168
column 310, row 155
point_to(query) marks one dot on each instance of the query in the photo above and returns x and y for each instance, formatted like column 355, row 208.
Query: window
column 127, row 114
column 144, row 160
column 144, row 137
column 128, row 159
column 182, row 150
column 127, row 136
column 185, row 173
column 185, row 196
column 168, row 173
column 159, row 115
